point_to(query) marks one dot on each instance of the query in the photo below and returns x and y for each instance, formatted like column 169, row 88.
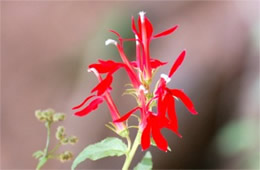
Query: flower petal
column 127, row 115
column 76, row 107
column 185, row 99
column 117, row 34
column 158, row 137
column 92, row 106
column 147, row 26
column 145, row 138
column 164, row 33
column 172, row 113
column 177, row 63
column 108, row 66
column 156, row 63
column 161, row 106
column 134, row 28
column 103, row 85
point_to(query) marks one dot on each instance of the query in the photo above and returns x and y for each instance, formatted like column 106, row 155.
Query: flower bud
column 66, row 156
column 48, row 114
column 58, row 117
column 39, row 116
column 73, row 140
column 60, row 133
column 64, row 141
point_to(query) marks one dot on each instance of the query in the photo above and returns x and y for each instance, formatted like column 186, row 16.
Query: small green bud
column 60, row 133
column 73, row 140
column 39, row 116
column 66, row 156
column 64, row 141
column 48, row 114
column 58, row 117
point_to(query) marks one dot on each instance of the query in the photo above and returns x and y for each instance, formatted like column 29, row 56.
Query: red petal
column 117, row 34
column 106, row 66
column 126, row 116
column 147, row 26
column 103, row 85
column 156, row 63
column 171, row 112
column 164, row 33
column 145, row 138
column 158, row 137
column 76, row 107
column 161, row 106
column 185, row 99
column 134, row 64
column 177, row 63
column 134, row 27
column 92, row 106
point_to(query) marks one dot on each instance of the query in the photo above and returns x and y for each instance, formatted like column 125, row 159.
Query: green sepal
column 124, row 133
column 110, row 146
column 146, row 163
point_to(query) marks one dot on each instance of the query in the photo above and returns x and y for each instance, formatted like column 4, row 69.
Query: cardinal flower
column 140, row 73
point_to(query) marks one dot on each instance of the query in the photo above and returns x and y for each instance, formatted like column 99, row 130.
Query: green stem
column 44, row 159
column 55, row 148
column 131, row 153
column 48, row 138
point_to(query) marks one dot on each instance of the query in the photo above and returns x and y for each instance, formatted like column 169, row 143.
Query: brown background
column 46, row 47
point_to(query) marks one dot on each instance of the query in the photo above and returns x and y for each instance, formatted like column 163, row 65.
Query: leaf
column 41, row 163
column 236, row 137
column 146, row 163
column 38, row 154
column 154, row 144
column 110, row 146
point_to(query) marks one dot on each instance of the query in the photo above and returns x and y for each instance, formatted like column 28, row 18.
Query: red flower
column 144, row 36
column 103, row 93
column 140, row 73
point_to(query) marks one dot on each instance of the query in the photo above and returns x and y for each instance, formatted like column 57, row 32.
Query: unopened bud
column 58, row 117
column 48, row 114
column 66, row 156
column 39, row 116
column 64, row 141
column 60, row 133
column 73, row 140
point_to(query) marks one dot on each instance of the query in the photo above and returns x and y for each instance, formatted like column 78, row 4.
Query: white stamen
column 141, row 87
column 142, row 13
column 110, row 41
column 137, row 42
column 94, row 71
column 166, row 78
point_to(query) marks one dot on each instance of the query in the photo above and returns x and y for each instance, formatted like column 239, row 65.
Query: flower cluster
column 140, row 73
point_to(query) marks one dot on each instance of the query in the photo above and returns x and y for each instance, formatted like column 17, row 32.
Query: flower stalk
column 132, row 151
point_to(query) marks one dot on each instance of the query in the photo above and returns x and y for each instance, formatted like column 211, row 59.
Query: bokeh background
column 46, row 47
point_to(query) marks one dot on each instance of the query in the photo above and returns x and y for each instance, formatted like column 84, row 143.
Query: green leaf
column 236, row 136
column 154, row 144
column 41, row 163
column 110, row 146
column 146, row 163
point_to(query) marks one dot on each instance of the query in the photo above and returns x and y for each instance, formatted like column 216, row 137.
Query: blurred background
column 45, row 50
